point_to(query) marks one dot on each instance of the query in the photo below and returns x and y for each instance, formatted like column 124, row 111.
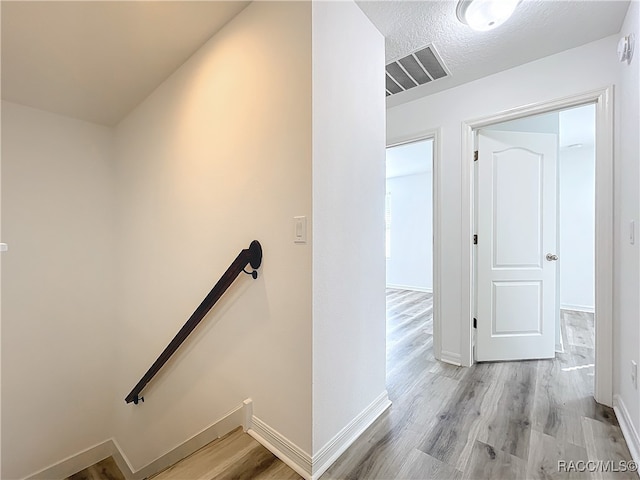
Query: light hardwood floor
column 235, row 456
column 104, row 470
column 509, row 420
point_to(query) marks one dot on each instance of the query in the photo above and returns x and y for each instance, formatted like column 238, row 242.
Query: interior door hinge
column 475, row 239
column 475, row 323
column 475, row 156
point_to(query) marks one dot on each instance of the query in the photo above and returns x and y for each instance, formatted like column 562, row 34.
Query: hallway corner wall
column 626, row 339
column 348, row 219
column 58, row 282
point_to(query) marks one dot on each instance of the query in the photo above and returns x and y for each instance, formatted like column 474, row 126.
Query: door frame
column 433, row 135
column 603, row 101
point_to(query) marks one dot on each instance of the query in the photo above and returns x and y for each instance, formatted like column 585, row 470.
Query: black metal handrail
column 251, row 256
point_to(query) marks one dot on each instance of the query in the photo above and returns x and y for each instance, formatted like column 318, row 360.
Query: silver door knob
column 551, row 257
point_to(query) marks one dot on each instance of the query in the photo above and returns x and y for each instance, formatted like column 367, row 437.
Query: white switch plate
column 632, row 232
column 634, row 374
column 4, row 247
column 300, row 229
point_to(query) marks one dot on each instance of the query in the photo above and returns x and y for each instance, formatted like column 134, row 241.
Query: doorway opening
column 535, row 220
column 412, row 224
column 409, row 216
column 540, row 249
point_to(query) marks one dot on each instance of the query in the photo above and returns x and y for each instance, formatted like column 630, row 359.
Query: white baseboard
column 578, row 308
column 110, row 447
column 409, row 287
column 75, row 463
column 628, row 429
column 450, row 357
column 299, row 460
column 123, row 462
column 281, row 447
column 349, row 434
column 219, row 428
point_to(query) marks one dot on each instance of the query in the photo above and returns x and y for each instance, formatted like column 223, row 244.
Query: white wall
column 218, row 155
column 577, row 227
column 627, row 200
column 348, row 217
column 116, row 237
column 411, row 262
column 57, row 310
column 574, row 71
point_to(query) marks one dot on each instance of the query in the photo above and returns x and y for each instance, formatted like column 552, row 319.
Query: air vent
column 417, row 68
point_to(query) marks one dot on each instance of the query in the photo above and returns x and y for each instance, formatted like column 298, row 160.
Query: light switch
column 4, row 247
column 300, row 229
column 632, row 232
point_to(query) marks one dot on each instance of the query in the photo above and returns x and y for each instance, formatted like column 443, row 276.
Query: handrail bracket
column 255, row 258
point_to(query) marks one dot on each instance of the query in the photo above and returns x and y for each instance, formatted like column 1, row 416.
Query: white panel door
column 516, row 250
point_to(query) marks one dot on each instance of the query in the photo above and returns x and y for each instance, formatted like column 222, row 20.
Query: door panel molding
column 603, row 100
column 536, row 325
column 500, row 259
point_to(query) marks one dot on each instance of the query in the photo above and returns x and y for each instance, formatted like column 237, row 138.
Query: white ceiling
column 98, row 60
column 537, row 28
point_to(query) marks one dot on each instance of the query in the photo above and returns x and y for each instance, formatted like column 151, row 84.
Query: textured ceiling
column 98, row 60
column 537, row 28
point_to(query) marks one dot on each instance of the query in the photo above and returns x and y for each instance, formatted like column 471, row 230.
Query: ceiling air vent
column 417, row 68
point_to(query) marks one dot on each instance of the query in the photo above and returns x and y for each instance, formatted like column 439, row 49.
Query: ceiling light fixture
column 485, row 15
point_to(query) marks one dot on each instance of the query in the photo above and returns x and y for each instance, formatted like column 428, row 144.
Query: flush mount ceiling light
column 485, row 15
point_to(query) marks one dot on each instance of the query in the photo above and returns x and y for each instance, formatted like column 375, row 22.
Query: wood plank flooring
column 235, row 456
column 509, row 420
column 494, row 421
column 103, row 470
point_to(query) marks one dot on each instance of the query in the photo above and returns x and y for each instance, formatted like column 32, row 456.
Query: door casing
column 603, row 101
